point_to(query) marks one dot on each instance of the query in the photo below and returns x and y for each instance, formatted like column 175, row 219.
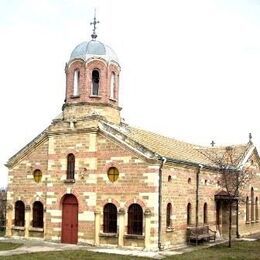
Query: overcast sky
column 190, row 69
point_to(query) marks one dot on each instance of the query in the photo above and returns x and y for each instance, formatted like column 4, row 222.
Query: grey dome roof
column 92, row 49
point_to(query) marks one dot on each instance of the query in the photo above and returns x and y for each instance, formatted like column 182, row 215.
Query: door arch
column 69, row 229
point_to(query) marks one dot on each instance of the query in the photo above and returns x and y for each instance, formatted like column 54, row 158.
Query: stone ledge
column 34, row 229
column 69, row 181
column 18, row 228
column 132, row 236
column 108, row 234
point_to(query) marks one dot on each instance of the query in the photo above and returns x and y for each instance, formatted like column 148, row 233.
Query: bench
column 201, row 233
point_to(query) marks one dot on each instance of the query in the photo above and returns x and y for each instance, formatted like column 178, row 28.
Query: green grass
column 72, row 255
column 240, row 250
column 8, row 246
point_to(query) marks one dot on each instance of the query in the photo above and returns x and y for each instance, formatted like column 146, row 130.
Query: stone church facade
column 91, row 178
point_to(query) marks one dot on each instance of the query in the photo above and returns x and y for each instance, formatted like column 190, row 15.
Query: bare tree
column 233, row 178
column 2, row 208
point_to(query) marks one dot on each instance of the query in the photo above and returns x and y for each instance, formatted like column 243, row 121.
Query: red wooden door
column 69, row 233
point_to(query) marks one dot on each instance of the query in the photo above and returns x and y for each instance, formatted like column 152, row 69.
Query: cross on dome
column 94, row 35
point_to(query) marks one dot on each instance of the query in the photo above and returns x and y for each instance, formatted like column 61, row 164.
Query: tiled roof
column 182, row 151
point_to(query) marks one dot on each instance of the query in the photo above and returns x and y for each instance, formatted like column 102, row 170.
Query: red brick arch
column 63, row 192
column 109, row 200
column 76, row 64
column 137, row 201
column 91, row 63
column 40, row 199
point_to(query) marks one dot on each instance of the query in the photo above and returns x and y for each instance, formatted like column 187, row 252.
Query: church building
column 91, row 178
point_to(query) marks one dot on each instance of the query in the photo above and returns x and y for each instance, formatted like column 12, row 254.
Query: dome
column 93, row 48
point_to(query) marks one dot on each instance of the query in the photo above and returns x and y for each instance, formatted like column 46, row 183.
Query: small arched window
column 76, row 83
column 247, row 209
column 168, row 215
column 110, row 218
column 205, row 213
column 19, row 213
column 252, row 205
column 113, row 86
column 95, row 82
column 37, row 175
column 37, row 214
column 256, row 209
column 188, row 214
column 70, row 166
column 135, row 219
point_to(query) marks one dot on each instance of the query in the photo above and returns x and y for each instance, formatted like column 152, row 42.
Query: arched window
column 113, row 86
column 37, row 175
column 19, row 214
column 256, row 209
column 76, row 83
column 110, row 218
column 205, row 213
column 247, row 209
column 37, row 214
column 95, row 82
column 168, row 215
column 252, row 205
column 188, row 214
column 70, row 166
column 135, row 219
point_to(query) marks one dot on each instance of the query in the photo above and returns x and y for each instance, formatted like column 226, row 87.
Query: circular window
column 113, row 174
column 37, row 175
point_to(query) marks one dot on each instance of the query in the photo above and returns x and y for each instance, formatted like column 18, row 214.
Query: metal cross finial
column 250, row 137
column 212, row 143
column 94, row 35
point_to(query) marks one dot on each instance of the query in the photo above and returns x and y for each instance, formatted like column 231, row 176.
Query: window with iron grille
column 256, row 209
column 205, row 213
column 19, row 213
column 37, row 214
column 110, row 218
column 95, row 82
column 135, row 219
column 70, row 166
column 168, row 215
column 252, row 205
column 247, row 209
column 188, row 214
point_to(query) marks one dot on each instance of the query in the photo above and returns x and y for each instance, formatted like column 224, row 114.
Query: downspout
column 163, row 161
column 197, row 197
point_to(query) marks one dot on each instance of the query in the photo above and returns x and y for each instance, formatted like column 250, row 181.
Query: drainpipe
column 163, row 161
column 197, row 197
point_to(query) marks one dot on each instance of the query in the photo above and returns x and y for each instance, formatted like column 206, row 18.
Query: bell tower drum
column 92, row 81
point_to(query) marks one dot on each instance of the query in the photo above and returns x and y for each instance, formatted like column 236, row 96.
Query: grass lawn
column 71, row 255
column 8, row 246
column 240, row 250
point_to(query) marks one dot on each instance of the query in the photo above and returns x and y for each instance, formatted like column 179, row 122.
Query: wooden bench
column 201, row 233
